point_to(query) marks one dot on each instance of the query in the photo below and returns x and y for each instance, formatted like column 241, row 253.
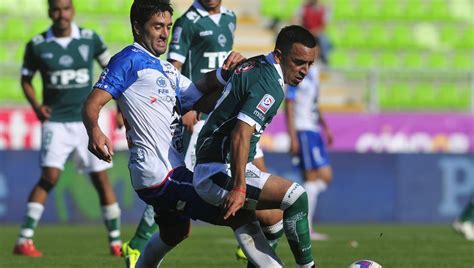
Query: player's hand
column 101, row 146
column 294, row 147
column 234, row 201
column 233, row 60
column 43, row 112
column 189, row 120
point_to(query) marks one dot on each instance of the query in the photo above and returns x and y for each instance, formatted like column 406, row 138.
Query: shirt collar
column 271, row 59
column 203, row 12
column 137, row 45
column 75, row 33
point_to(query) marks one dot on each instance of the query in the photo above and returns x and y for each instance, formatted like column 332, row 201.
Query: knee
column 269, row 217
column 47, row 184
column 294, row 196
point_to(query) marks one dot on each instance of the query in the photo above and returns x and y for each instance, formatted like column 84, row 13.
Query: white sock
column 110, row 212
column 308, row 265
column 154, row 252
column 255, row 246
column 273, row 229
column 313, row 189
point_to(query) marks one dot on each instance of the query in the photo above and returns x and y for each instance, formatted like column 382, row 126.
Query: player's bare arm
column 327, row 130
column 290, row 123
column 240, row 144
column 99, row 144
column 42, row 112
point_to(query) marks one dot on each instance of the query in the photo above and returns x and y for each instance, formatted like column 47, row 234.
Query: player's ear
column 136, row 28
column 278, row 55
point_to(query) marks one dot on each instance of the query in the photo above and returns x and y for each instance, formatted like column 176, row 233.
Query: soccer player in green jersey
column 224, row 175
column 64, row 55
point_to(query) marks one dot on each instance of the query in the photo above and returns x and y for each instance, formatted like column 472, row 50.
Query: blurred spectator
column 313, row 16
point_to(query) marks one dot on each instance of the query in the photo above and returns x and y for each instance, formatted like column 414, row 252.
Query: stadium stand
column 377, row 38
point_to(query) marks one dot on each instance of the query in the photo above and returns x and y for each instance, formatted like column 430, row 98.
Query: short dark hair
column 142, row 10
column 292, row 34
column 52, row 2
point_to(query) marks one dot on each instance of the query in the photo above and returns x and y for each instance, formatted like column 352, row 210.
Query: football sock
column 253, row 243
column 111, row 215
column 153, row 253
column 145, row 229
column 33, row 215
column 295, row 223
column 468, row 211
column 273, row 234
column 313, row 189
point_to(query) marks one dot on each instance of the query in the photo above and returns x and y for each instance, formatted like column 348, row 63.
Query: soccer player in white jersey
column 304, row 121
column 152, row 96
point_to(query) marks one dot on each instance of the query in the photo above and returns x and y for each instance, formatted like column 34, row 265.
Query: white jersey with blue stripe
column 151, row 94
column 305, row 97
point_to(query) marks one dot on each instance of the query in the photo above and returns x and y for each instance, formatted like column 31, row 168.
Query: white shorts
column 258, row 151
column 212, row 182
column 59, row 141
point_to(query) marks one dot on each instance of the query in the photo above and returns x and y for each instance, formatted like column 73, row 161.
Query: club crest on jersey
column 161, row 82
column 84, row 51
column 66, row 60
column 221, row 40
column 244, row 67
column 265, row 103
column 232, row 27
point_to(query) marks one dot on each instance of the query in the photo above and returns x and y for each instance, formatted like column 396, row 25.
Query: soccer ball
column 364, row 264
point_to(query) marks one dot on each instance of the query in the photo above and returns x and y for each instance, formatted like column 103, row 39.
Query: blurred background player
column 64, row 55
column 304, row 122
column 314, row 16
column 464, row 224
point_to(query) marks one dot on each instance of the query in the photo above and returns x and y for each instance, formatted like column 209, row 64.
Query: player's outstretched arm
column 99, row 144
column 240, row 144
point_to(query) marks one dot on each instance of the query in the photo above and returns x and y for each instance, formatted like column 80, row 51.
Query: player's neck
column 215, row 10
column 62, row 32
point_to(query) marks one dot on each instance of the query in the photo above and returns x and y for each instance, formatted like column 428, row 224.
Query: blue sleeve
column 119, row 75
column 291, row 93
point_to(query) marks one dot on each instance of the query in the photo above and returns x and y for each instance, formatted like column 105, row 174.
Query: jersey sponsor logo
column 47, row 55
column 206, row 33
column 244, row 67
column 84, row 51
column 66, row 60
column 215, row 60
column 259, row 115
column 265, row 103
column 176, row 34
column 65, row 77
column 222, row 40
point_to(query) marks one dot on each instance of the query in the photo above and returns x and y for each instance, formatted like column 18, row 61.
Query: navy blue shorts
column 313, row 153
column 176, row 201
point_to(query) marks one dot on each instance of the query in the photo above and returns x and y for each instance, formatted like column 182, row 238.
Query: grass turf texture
column 209, row 246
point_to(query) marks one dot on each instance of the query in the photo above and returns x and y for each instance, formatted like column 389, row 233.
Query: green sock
column 272, row 236
column 295, row 223
column 468, row 212
column 111, row 215
column 145, row 229
column 30, row 222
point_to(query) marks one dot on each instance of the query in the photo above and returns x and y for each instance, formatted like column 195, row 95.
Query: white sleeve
column 249, row 120
column 189, row 94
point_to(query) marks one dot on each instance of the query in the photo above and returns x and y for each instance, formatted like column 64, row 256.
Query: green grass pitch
column 210, row 246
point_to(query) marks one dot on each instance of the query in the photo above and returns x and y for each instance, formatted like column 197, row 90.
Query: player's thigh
column 173, row 227
column 213, row 182
column 56, row 145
